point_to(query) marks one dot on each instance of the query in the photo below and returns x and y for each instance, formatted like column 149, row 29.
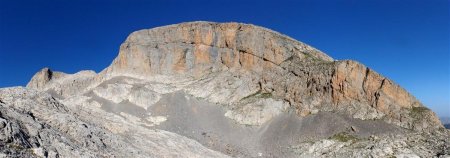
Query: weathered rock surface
column 204, row 89
column 36, row 124
column 401, row 146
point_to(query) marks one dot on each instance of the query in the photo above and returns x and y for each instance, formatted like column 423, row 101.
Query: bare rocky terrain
column 204, row 89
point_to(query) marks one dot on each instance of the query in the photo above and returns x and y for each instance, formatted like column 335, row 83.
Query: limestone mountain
column 204, row 89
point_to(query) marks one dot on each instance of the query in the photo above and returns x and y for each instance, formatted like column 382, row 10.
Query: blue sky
column 407, row 41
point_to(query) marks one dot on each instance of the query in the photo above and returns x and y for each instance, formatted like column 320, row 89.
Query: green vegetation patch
column 15, row 146
column 344, row 137
column 317, row 60
column 309, row 56
column 418, row 112
column 419, row 109
column 265, row 95
column 312, row 58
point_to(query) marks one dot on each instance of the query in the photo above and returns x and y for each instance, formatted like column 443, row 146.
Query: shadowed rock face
column 238, row 89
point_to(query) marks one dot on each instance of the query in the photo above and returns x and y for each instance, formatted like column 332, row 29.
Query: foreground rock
column 205, row 89
column 36, row 124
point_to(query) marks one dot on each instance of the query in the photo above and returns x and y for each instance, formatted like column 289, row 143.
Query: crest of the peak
column 247, row 38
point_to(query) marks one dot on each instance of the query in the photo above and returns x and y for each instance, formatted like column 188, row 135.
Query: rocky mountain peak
column 223, row 89
column 266, row 62
column 254, row 60
column 40, row 79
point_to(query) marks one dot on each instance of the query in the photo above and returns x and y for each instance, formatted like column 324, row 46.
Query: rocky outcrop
column 40, row 79
column 34, row 124
column 60, row 83
column 405, row 146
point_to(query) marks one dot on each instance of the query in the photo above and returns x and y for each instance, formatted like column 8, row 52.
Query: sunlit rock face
column 199, row 48
column 204, row 89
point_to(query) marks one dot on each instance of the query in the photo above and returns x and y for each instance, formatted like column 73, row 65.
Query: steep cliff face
column 241, row 90
column 200, row 48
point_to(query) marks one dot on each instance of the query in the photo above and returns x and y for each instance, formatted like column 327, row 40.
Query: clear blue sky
column 407, row 41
